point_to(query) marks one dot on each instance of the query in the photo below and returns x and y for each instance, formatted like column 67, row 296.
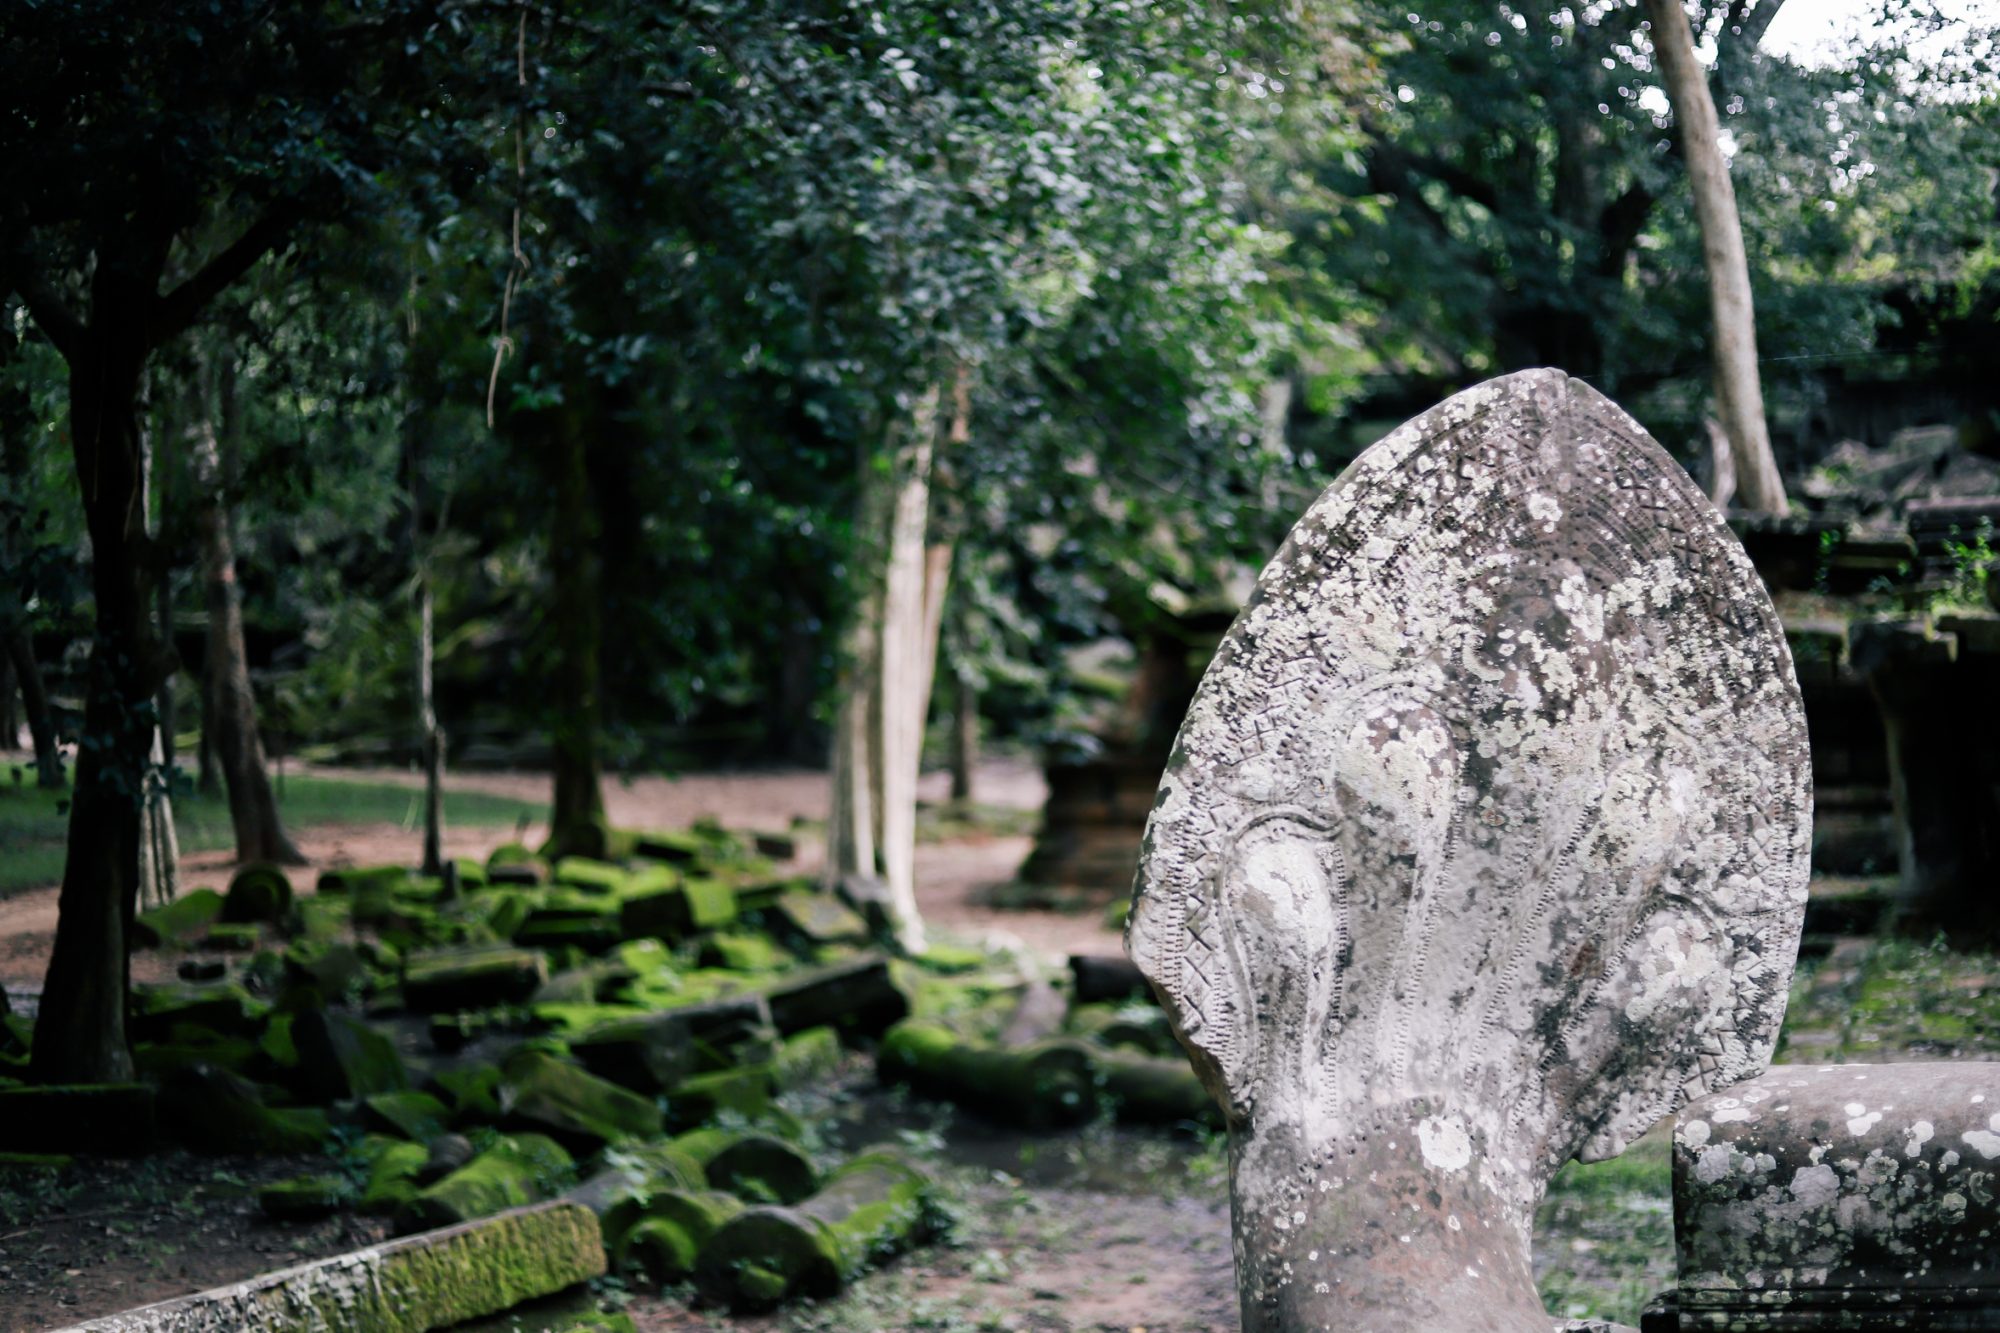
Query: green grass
column 33, row 824
column 1604, row 1235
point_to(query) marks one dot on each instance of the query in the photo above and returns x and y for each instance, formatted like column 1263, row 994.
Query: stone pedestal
column 1840, row 1197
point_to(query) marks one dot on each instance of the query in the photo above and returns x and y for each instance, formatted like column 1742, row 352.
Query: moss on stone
column 471, row 978
column 342, row 1057
column 183, row 919
column 212, row 1110
column 258, row 892
column 520, row 1169
column 756, row 1166
column 743, row 951
column 592, row 876
column 413, row 1285
column 393, row 1165
column 555, row 1096
column 1047, row 1084
column 700, row 1099
column 306, row 1198
column 415, row 1115
column 472, row 1092
column 805, row 1057
column 663, row 1235
column 112, row 1118
column 349, row 879
column 950, row 960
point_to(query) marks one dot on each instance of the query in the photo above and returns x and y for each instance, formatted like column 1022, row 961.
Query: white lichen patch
column 1445, row 1143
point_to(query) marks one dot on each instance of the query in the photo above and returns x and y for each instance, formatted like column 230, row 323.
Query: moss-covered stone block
column 860, row 997
column 225, row 1008
column 393, row 1166
column 816, row 917
column 520, row 1169
column 471, row 978
column 258, row 892
column 743, row 951
column 663, row 1235
column 1047, row 1084
column 472, row 1092
column 591, row 876
column 435, row 1280
column 341, row 1056
column 872, row 1208
column 554, row 1096
column 750, row 1164
column 654, row 1052
column 212, row 1110
column 193, row 1046
column 348, row 879
column 414, row 1115
column 114, row 1119
column 227, row 938
column 805, row 1057
column 672, row 846
column 333, row 968
column 637, row 1171
column 177, row 922
column 700, row 1099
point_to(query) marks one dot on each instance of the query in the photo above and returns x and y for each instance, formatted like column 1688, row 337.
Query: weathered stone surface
column 1483, row 846
column 433, row 1280
column 1848, row 1196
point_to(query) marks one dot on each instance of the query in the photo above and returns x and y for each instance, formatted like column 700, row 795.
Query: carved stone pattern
column 1494, row 801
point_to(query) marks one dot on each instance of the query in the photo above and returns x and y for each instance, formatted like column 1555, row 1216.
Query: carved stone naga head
column 1484, row 845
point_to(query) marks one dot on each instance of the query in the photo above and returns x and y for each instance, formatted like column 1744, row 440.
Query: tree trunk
column 16, row 418
column 1739, row 395
column 10, row 715
column 35, row 703
column 850, row 830
column 418, row 372
column 159, row 848
column 905, row 662
column 80, row 1031
column 433, row 734
column 577, row 826
column 964, row 733
column 231, row 722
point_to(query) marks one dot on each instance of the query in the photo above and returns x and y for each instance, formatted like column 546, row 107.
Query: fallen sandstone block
column 1047, row 1084
column 185, row 918
column 871, row 1208
column 450, row 979
column 553, row 1096
column 114, row 1118
column 525, row 1168
column 657, row 1052
column 665, row 1234
column 412, row 1285
column 859, row 997
column 257, row 892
